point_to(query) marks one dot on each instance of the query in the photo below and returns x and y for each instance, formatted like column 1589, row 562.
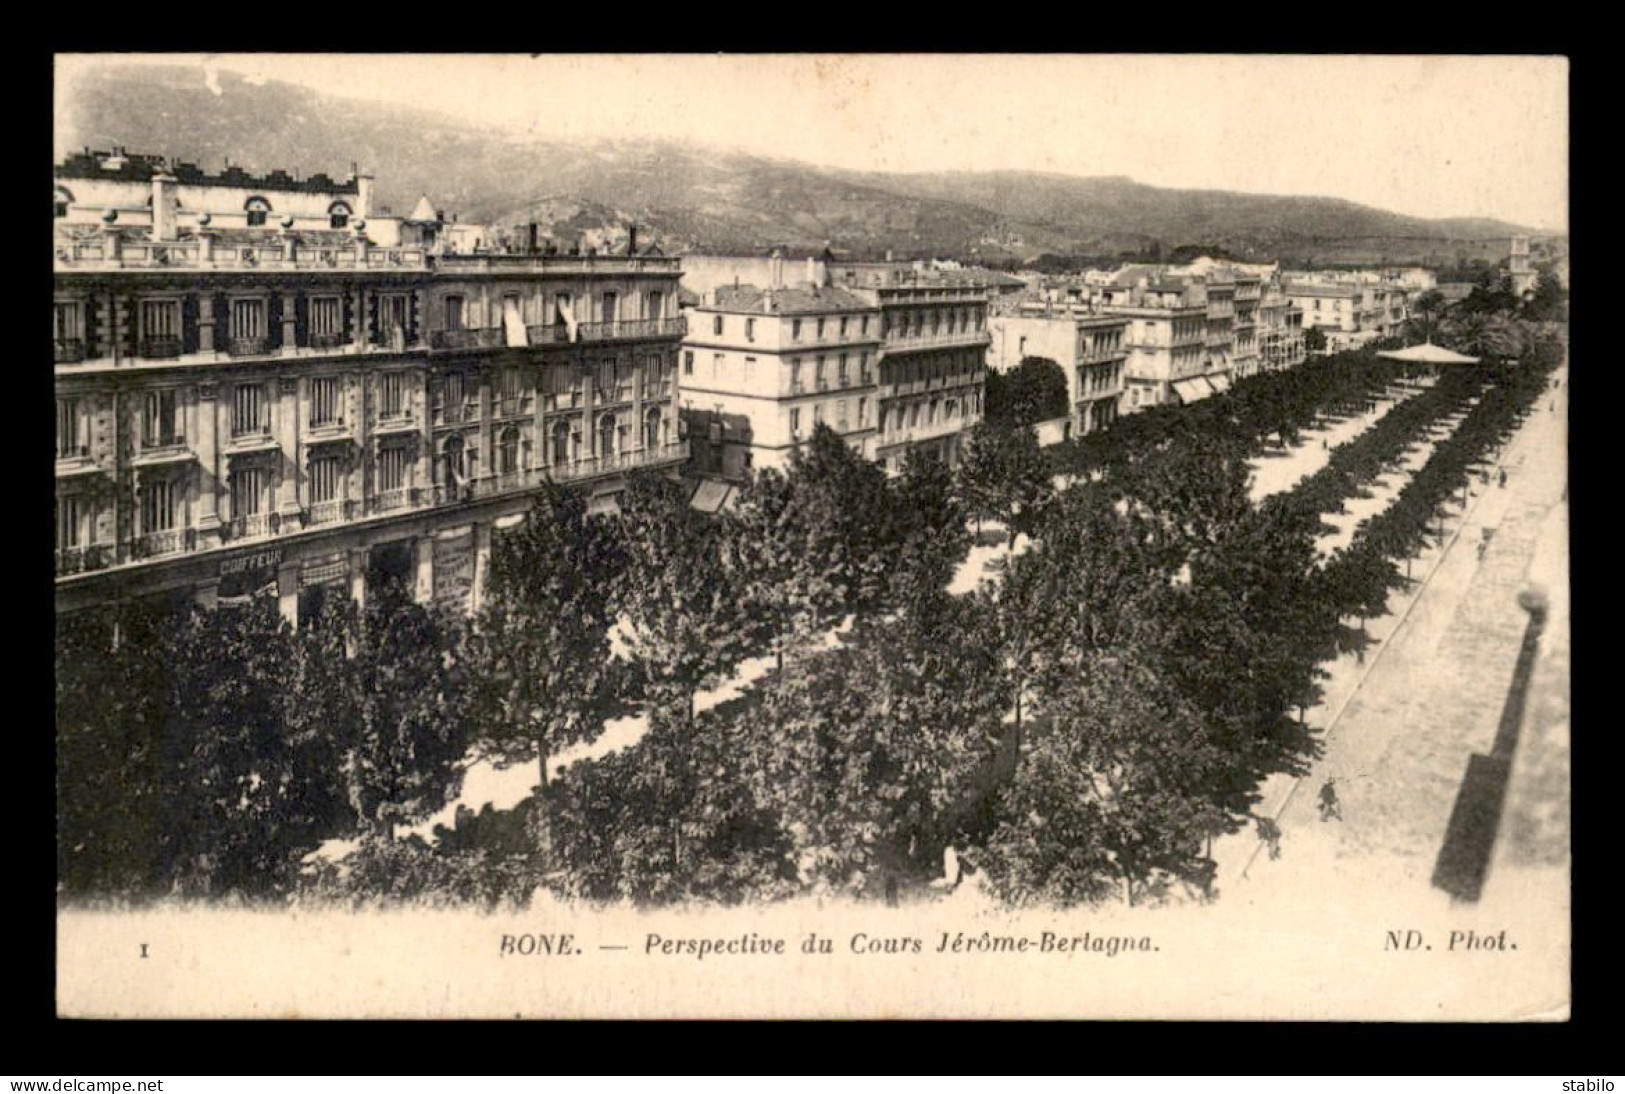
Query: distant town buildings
column 1355, row 308
column 262, row 385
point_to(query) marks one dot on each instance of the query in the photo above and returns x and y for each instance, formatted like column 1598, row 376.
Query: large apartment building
column 1280, row 328
column 933, row 362
column 763, row 367
column 891, row 357
column 1091, row 349
column 1168, row 339
column 256, row 394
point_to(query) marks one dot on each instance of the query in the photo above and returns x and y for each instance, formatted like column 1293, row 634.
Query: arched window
column 338, row 215
column 258, row 209
column 606, row 435
column 561, row 443
column 651, row 428
column 508, row 452
column 62, row 198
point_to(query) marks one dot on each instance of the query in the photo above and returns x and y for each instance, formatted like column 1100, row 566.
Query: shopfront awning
column 1220, row 381
column 604, row 505
column 1191, row 390
column 711, row 496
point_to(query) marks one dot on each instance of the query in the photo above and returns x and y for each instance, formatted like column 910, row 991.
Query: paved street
column 1403, row 724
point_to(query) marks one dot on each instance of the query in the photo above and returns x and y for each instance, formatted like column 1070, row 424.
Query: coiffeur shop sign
column 242, row 576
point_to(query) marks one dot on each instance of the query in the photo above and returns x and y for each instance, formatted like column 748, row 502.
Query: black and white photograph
column 812, row 536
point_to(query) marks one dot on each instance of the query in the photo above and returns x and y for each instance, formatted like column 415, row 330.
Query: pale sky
column 1428, row 136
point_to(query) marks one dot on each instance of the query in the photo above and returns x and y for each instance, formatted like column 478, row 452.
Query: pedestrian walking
column 1328, row 801
column 1503, row 481
column 1269, row 834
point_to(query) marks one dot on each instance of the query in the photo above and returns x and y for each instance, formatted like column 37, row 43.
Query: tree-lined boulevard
column 1107, row 716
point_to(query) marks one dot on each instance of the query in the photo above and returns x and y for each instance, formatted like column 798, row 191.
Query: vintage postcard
column 764, row 536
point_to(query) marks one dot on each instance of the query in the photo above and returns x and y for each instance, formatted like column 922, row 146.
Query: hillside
column 692, row 198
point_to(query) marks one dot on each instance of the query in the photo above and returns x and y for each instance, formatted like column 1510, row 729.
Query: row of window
column 250, row 402
column 248, row 319
column 1102, row 378
column 843, row 326
column 955, row 320
column 842, row 422
column 930, row 320
column 922, row 412
column 936, row 367
column 457, row 311
column 250, row 485
column 256, row 210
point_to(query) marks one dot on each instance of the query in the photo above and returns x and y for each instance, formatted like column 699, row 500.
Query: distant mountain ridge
column 692, row 198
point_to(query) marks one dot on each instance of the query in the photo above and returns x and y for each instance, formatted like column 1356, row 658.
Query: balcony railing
column 607, row 265
column 159, row 349
column 631, row 329
column 328, row 339
column 468, row 339
column 248, row 347
column 73, row 451
column 456, row 414
column 394, row 339
column 386, row 501
column 330, row 512
column 159, row 442
column 253, row 526
column 137, row 254
column 899, row 340
column 69, row 351
column 543, row 334
column 167, row 542
column 77, row 560
column 393, row 421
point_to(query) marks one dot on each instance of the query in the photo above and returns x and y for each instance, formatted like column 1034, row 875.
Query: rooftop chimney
column 812, row 270
column 363, row 196
column 776, row 264
column 164, row 203
column 534, row 231
column 632, row 239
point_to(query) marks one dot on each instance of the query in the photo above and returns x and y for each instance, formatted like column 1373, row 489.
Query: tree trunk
column 1128, row 890
column 541, row 820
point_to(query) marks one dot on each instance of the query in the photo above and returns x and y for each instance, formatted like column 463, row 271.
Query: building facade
column 1167, row 340
column 1091, row 349
column 891, row 356
column 298, row 411
column 761, row 368
column 933, row 365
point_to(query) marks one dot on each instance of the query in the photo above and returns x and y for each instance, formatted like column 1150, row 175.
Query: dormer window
column 61, row 200
column 257, row 210
column 338, row 215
